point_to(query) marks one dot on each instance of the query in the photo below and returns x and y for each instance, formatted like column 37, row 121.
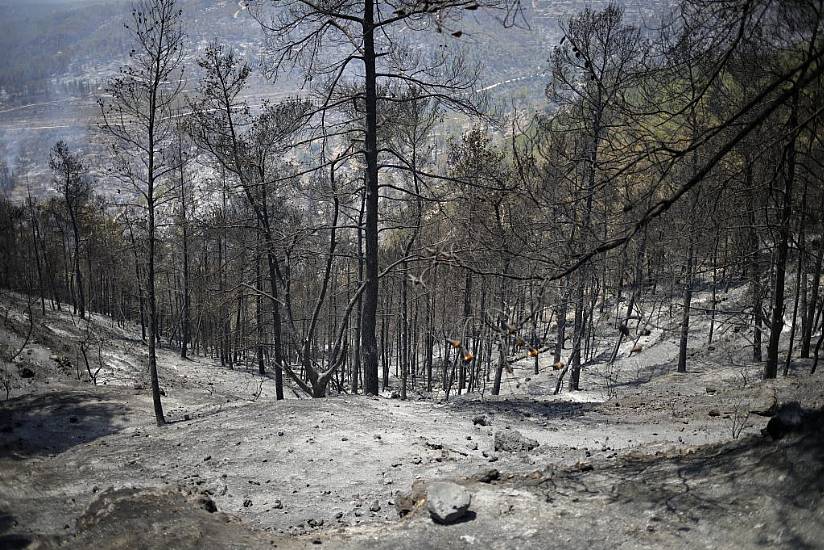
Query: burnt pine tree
column 72, row 181
column 249, row 148
column 137, row 118
column 591, row 71
column 328, row 40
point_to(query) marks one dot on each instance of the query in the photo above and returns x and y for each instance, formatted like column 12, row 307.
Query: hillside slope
column 607, row 456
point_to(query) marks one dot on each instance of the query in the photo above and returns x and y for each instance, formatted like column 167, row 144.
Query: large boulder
column 765, row 403
column 160, row 518
column 447, row 502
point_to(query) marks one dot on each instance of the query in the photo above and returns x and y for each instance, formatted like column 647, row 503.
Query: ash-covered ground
column 643, row 457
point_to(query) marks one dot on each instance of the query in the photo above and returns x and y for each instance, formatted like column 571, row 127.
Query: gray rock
column 133, row 517
column 481, row 420
column 765, row 403
column 447, row 502
column 512, row 441
column 207, row 504
column 488, row 476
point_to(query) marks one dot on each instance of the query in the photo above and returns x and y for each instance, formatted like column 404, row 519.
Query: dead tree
column 137, row 118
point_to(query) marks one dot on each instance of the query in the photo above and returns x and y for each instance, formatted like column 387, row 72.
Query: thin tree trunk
column 578, row 333
column 467, row 312
column 799, row 276
column 812, row 301
column 150, row 297
column 777, row 323
column 185, row 321
column 562, row 315
column 404, row 333
column 755, row 261
column 77, row 274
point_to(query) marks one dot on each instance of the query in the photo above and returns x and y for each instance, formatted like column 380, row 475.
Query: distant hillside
column 50, row 40
column 58, row 54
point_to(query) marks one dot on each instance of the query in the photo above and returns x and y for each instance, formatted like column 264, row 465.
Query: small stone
column 513, row 441
column 208, row 458
column 714, row 412
column 447, row 502
column 207, row 504
column 277, row 504
column 375, row 506
column 481, row 420
column 488, row 476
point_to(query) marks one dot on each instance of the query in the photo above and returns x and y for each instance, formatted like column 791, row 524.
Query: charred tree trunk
column 369, row 342
column 755, row 261
column 812, row 301
column 777, row 322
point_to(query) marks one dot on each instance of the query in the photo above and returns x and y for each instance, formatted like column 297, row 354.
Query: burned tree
column 73, row 182
column 137, row 120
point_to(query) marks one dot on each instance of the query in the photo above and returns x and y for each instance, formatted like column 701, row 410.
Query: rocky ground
column 642, row 458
